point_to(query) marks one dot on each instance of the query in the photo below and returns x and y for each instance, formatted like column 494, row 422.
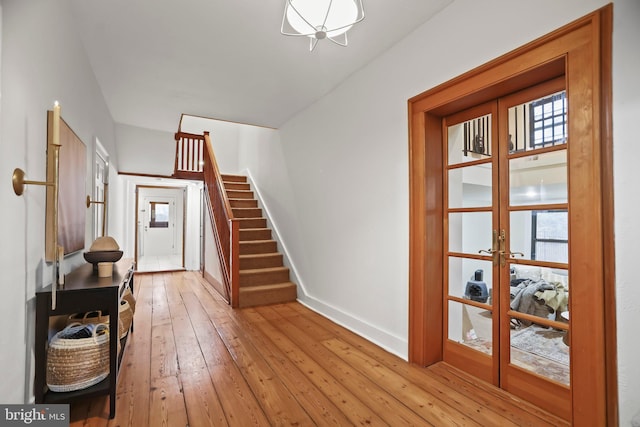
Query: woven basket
column 125, row 318
column 78, row 363
column 88, row 317
column 128, row 296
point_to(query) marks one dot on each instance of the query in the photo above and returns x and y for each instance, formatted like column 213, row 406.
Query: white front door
column 159, row 225
column 160, row 228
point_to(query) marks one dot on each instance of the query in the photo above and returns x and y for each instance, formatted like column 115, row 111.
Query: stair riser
column 247, row 248
column 250, row 297
column 261, row 234
column 268, row 278
column 239, row 194
column 253, row 223
column 249, row 263
column 237, row 186
column 234, row 178
column 247, row 212
column 243, row 203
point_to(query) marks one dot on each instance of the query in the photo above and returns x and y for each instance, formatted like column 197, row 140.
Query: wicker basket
column 78, row 363
column 128, row 296
column 88, row 317
column 125, row 318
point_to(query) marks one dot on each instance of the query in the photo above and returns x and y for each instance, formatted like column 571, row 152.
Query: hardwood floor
column 193, row 361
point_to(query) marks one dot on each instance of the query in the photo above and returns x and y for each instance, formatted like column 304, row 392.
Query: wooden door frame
column 580, row 51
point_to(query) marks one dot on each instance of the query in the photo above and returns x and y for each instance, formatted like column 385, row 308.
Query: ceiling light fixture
column 320, row 19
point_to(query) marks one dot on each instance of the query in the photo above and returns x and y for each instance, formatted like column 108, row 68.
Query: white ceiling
column 225, row 59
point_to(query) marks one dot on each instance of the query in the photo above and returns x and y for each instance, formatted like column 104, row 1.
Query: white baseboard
column 391, row 343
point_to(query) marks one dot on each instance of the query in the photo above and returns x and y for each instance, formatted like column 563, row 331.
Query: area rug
column 542, row 342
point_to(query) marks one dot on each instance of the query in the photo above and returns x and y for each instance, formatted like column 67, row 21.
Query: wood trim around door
column 584, row 45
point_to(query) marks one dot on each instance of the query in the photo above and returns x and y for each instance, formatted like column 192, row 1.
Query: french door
column 452, row 316
column 506, row 240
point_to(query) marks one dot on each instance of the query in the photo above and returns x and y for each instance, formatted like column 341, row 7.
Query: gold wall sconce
column 18, row 180
column 104, row 208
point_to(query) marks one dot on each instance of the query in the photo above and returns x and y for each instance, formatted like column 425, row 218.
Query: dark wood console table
column 83, row 291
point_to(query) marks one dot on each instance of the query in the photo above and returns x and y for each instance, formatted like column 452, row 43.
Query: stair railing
column 189, row 154
column 226, row 228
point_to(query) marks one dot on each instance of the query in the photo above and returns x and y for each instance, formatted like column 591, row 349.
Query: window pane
column 470, row 140
column 470, row 326
column 470, row 186
column 552, row 225
column 547, row 244
column 471, row 279
column 543, row 351
column 538, row 123
column 469, row 232
column 159, row 215
column 538, row 179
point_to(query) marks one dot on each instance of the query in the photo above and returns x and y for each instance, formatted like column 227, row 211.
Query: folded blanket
column 524, row 297
column 556, row 298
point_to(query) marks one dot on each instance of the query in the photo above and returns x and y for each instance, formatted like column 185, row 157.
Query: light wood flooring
column 193, row 361
column 151, row 263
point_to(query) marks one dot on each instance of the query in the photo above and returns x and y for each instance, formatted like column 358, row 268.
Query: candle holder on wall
column 19, row 182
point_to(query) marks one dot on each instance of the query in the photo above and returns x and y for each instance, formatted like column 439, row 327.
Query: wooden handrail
column 226, row 227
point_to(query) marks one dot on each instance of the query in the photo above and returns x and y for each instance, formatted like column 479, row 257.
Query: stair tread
column 264, row 270
column 268, row 254
column 268, row 286
column 256, row 241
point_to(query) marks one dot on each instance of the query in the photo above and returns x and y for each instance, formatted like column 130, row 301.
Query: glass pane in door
column 471, row 279
column 540, row 123
column 469, row 232
column 470, row 326
column 470, row 186
column 538, row 179
column 542, row 292
column 541, row 350
column 469, row 141
column 541, row 235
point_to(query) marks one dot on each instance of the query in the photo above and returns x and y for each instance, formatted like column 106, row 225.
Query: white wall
column 42, row 61
column 346, row 162
column 626, row 110
column 153, row 152
column 145, row 151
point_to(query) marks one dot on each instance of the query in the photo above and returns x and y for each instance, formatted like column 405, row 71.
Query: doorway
column 159, row 228
column 465, row 251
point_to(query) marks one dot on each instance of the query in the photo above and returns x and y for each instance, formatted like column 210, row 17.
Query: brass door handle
column 493, row 251
column 486, row 251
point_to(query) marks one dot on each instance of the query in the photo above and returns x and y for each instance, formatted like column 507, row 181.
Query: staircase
column 263, row 277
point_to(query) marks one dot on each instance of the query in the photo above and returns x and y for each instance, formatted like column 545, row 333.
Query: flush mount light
column 320, row 19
